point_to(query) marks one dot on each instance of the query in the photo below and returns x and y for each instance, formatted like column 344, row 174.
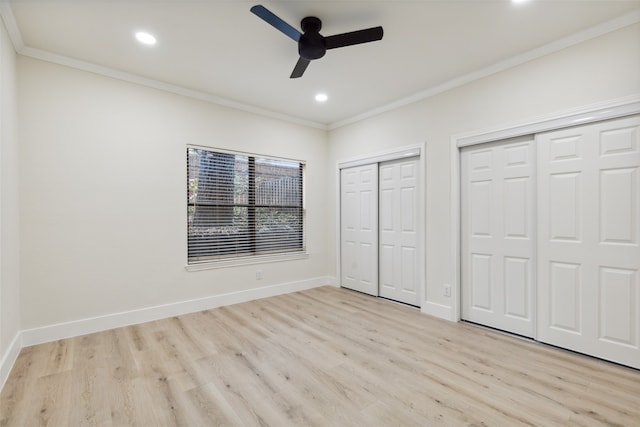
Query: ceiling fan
column 311, row 44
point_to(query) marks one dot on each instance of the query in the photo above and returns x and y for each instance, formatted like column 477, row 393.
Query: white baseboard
column 9, row 358
column 438, row 310
column 101, row 323
column 332, row 281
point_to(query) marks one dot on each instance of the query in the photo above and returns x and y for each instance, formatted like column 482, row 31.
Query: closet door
column 359, row 228
column 588, row 239
column 498, row 234
column 398, row 253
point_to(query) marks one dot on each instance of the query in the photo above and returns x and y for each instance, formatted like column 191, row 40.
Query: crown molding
column 6, row 13
column 553, row 47
column 22, row 49
column 563, row 43
column 160, row 85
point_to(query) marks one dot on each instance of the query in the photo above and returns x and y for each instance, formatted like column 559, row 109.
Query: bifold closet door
column 359, row 228
column 498, row 235
column 588, row 239
column 398, row 213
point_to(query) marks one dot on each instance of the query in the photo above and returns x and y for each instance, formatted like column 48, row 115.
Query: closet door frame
column 416, row 150
column 612, row 109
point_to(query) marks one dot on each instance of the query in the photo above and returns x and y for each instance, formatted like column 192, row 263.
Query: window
column 240, row 205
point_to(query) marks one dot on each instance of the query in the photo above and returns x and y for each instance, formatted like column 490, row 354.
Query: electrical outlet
column 447, row 290
column 258, row 274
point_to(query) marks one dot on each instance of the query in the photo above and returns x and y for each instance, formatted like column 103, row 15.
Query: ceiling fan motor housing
column 312, row 44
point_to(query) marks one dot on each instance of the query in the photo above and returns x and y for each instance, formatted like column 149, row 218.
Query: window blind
column 241, row 205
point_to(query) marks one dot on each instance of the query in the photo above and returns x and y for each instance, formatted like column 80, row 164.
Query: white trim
column 415, row 150
column 592, row 113
column 619, row 107
column 454, row 214
column 338, row 228
column 422, row 224
column 233, row 262
column 117, row 320
column 9, row 358
column 563, row 43
column 12, row 27
column 332, row 281
column 438, row 310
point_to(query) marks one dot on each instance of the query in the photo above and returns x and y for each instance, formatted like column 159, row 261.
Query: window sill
column 210, row 265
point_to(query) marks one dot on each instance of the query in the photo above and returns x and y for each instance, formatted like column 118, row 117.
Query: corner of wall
column 10, row 336
column 9, row 358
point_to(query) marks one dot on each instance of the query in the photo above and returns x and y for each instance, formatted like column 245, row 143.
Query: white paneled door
column 359, row 228
column 498, row 235
column 589, row 239
column 398, row 231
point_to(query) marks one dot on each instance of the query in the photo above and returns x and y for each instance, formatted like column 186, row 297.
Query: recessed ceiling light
column 321, row 97
column 145, row 38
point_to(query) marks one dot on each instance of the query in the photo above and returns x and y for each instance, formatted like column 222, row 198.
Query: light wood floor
column 325, row 357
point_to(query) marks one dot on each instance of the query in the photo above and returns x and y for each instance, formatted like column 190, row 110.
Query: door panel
column 399, row 231
column 517, row 283
column 359, row 228
column 617, row 291
column 498, row 263
column 564, row 206
column 480, row 282
column 566, row 286
column 618, row 221
column 588, row 239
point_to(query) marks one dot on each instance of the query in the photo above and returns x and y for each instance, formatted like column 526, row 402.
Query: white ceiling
column 219, row 49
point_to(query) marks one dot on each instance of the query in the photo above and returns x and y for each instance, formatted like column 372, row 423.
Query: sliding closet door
column 359, row 228
column 398, row 254
column 498, row 234
column 588, row 239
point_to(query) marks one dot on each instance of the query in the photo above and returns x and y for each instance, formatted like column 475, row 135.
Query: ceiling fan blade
column 270, row 18
column 354, row 37
column 298, row 70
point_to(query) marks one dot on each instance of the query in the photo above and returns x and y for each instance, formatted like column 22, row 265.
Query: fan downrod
column 311, row 23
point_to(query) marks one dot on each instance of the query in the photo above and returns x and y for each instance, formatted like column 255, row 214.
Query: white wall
column 103, row 194
column 600, row 69
column 9, row 245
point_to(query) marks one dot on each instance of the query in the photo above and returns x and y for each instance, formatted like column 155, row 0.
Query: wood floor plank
column 325, row 356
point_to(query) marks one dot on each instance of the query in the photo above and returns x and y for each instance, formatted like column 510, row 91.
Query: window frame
column 246, row 258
